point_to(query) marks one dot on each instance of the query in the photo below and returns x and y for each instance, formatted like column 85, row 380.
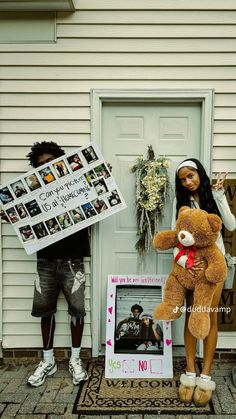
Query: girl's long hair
column 206, row 200
column 146, row 332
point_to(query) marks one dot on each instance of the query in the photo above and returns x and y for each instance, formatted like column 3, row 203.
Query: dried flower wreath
column 152, row 189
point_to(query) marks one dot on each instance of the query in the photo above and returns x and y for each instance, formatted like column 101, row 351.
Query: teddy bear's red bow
column 189, row 251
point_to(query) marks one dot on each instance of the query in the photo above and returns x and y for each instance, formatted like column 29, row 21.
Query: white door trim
column 1, row 291
column 98, row 97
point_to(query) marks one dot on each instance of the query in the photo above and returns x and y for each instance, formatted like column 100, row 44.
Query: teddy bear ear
column 184, row 208
column 215, row 222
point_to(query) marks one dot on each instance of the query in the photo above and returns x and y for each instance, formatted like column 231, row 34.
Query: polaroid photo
column 102, row 170
column 114, row 198
column 47, row 175
column 77, row 215
column 52, row 226
column 33, row 182
column 33, row 208
column 5, row 195
column 88, row 210
column 100, row 186
column 90, row 176
column 19, row 188
column 64, row 220
column 99, row 205
column 20, row 208
column 26, row 233
column 12, row 215
column 75, row 162
column 61, row 168
column 89, row 154
column 40, row 230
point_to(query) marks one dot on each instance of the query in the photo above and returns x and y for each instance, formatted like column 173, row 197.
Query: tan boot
column 203, row 391
column 186, row 388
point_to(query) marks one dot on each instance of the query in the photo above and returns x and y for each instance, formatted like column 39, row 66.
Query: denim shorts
column 55, row 275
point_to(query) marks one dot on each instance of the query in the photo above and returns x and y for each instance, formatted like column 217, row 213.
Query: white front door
column 173, row 130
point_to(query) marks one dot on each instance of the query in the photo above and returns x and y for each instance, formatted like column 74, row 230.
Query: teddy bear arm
column 216, row 270
column 165, row 240
column 203, row 294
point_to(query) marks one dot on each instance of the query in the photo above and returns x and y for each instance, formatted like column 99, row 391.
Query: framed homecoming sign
column 137, row 346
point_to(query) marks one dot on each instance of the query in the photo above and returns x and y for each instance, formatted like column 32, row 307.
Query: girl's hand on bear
column 197, row 266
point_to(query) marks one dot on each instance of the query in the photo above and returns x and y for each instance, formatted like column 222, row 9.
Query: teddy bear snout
column 186, row 238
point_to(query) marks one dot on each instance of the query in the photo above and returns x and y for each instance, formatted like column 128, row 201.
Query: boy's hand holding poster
column 61, row 197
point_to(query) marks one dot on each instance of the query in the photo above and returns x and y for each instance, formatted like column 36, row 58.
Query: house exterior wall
column 45, row 95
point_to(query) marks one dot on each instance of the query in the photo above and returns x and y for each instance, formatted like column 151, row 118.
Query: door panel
column 173, row 130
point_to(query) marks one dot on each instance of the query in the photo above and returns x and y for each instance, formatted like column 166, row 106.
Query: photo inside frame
column 136, row 331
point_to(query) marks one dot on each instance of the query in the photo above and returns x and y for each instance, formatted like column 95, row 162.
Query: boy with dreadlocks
column 60, row 267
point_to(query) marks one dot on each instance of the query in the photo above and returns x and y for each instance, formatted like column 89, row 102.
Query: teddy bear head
column 196, row 226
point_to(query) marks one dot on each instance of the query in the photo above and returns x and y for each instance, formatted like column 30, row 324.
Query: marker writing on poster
column 142, row 365
column 46, row 207
column 146, row 280
column 114, row 365
column 64, row 194
column 73, row 194
column 48, row 194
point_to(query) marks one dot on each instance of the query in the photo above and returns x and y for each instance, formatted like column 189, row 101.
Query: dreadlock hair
column 206, row 200
column 44, row 147
column 136, row 307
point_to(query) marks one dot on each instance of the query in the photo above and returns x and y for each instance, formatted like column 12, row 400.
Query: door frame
column 98, row 98
column 1, row 292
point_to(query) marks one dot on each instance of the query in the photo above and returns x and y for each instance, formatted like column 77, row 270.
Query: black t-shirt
column 74, row 246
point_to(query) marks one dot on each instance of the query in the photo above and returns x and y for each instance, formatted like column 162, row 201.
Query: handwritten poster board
column 61, row 197
column 136, row 345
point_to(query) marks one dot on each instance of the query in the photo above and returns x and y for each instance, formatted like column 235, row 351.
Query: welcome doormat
column 106, row 396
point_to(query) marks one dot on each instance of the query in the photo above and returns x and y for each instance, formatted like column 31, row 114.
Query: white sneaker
column 42, row 371
column 77, row 370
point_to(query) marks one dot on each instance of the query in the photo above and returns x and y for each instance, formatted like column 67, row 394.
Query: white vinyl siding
column 45, row 95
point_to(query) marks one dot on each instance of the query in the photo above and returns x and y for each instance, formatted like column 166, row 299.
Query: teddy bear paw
column 199, row 325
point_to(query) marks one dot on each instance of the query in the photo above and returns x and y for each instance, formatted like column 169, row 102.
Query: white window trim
column 98, row 97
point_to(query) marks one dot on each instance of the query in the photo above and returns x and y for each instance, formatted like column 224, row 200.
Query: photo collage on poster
column 42, row 203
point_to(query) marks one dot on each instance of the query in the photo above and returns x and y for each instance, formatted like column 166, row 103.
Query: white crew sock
column 191, row 374
column 205, row 377
column 75, row 353
column 48, row 356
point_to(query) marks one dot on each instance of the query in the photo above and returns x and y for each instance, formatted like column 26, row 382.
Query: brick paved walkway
column 55, row 398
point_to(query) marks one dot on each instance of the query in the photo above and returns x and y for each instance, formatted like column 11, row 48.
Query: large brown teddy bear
column 195, row 235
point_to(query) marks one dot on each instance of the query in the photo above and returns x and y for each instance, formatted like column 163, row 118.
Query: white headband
column 187, row 163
